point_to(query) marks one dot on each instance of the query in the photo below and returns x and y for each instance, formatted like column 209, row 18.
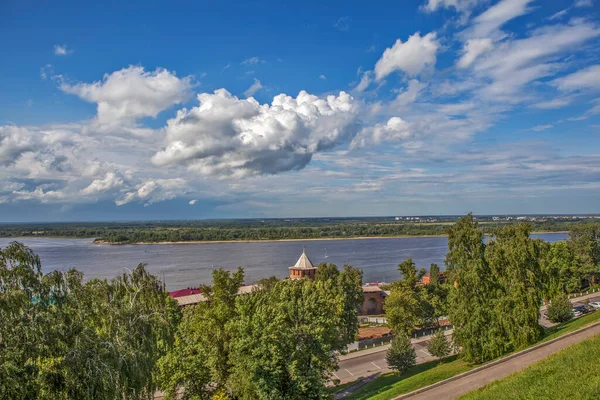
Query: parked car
column 595, row 305
column 580, row 310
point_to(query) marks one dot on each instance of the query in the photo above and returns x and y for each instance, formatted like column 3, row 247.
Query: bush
column 401, row 355
column 560, row 309
column 439, row 346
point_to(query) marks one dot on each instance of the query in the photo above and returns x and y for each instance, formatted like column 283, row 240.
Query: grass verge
column 390, row 385
column 571, row 373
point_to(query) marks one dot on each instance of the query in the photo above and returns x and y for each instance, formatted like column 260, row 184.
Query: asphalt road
column 373, row 363
column 369, row 364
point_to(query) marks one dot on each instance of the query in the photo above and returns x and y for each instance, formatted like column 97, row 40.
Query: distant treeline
column 273, row 229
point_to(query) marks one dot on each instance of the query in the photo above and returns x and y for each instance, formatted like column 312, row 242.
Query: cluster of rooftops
column 303, row 268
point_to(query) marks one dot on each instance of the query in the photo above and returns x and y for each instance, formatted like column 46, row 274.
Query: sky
column 154, row 110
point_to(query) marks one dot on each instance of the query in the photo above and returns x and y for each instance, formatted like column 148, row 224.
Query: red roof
column 184, row 292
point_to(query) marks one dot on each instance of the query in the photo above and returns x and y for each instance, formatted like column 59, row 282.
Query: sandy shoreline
column 286, row 240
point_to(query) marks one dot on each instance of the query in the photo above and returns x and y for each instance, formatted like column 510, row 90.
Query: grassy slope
column 390, row 385
column 572, row 373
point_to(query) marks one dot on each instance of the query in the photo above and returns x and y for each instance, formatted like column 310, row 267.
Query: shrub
column 401, row 355
column 560, row 309
column 439, row 346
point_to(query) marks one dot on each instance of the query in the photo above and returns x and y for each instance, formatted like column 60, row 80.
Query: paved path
column 367, row 362
column 468, row 383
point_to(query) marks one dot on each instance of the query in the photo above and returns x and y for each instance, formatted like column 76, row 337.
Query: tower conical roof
column 303, row 262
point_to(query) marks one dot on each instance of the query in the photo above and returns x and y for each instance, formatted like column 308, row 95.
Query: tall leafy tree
column 408, row 305
column 471, row 305
column 199, row 363
column 62, row 339
column 585, row 243
column 326, row 271
column 514, row 261
column 285, row 339
column 434, row 274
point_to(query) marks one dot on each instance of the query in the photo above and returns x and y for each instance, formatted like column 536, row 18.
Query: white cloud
column 46, row 71
column 365, row 81
column 255, row 87
column 458, row 5
column 132, row 93
column 323, row 77
column 555, row 103
column 62, row 50
column 41, row 194
column 490, row 21
column 228, row 136
column 558, row 14
column 192, row 202
column 395, row 129
column 539, row 128
column 514, row 64
column 473, row 49
column 583, row 3
column 411, row 57
column 99, row 186
column 14, row 141
column 251, row 61
column 154, row 190
column 410, row 94
column 587, row 78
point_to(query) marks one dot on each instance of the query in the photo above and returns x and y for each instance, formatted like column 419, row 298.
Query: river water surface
column 185, row 265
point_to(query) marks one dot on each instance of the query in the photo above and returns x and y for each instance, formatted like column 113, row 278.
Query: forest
column 263, row 229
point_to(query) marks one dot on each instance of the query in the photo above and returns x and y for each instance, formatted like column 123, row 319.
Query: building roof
column 371, row 289
column 184, row 292
column 199, row 298
column 190, row 299
column 303, row 262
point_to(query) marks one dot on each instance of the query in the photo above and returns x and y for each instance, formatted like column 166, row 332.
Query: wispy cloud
column 62, row 50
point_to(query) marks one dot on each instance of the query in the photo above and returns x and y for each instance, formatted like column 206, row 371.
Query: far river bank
column 97, row 241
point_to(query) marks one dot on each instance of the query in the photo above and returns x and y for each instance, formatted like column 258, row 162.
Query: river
column 185, row 265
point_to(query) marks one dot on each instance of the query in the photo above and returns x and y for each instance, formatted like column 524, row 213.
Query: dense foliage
column 278, row 342
column 412, row 305
column 253, row 229
column 560, row 309
column 63, row 339
column 494, row 303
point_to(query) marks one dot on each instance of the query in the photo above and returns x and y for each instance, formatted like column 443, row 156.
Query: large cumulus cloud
column 132, row 93
column 228, row 136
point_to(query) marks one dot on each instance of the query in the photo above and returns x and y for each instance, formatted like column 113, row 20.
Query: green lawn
column 388, row 386
column 572, row 373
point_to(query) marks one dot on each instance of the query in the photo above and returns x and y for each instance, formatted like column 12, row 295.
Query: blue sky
column 150, row 110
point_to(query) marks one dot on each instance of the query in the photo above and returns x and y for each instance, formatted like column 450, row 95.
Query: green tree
column 62, row 339
column 401, row 354
column 285, row 339
column 408, row 305
column 199, row 363
column 514, row 261
column 470, row 301
column 434, row 274
column 439, row 346
column 326, row 271
column 402, row 310
column 560, row 270
column 585, row 244
column 560, row 309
